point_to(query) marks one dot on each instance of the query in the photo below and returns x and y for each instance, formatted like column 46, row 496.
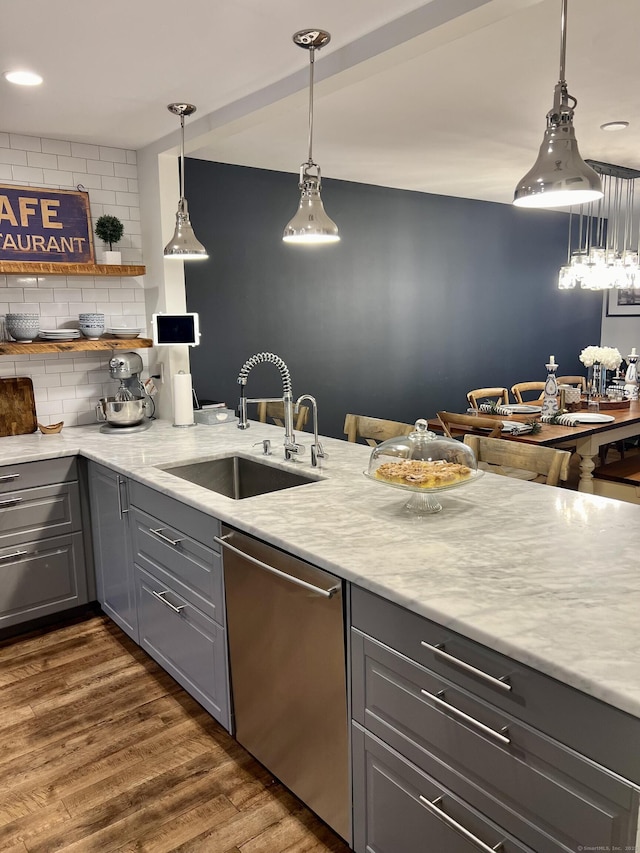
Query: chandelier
column 604, row 237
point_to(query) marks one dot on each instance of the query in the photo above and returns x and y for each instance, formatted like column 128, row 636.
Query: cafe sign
column 52, row 226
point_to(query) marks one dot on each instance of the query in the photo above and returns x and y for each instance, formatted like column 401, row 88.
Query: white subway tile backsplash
column 54, row 309
column 72, row 164
column 100, row 167
column 28, row 174
column 58, row 178
column 66, row 294
column 116, row 155
column 12, row 294
column 25, row 143
column 126, row 198
column 115, row 184
column 89, row 182
column 44, row 161
column 24, row 307
column 81, row 149
column 67, row 385
column 64, row 392
column 15, row 158
column 104, row 196
column 56, row 146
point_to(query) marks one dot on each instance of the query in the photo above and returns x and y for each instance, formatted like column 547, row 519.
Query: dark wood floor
column 100, row 750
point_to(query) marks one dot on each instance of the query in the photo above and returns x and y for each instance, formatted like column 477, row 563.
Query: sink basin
column 237, row 477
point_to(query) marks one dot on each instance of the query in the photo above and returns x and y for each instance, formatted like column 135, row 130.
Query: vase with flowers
column 598, row 360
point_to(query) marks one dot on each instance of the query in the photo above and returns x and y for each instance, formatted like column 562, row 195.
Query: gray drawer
column 27, row 475
column 192, row 568
column 40, row 512
column 41, row 578
column 187, row 644
column 198, row 525
column 393, row 811
column 527, row 776
column 588, row 725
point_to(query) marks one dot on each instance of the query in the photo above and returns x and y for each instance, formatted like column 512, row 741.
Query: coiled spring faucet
column 291, row 449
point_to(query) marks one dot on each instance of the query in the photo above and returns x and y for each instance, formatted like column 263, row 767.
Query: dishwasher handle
column 327, row 593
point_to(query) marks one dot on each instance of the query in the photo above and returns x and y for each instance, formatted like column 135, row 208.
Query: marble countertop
column 546, row 575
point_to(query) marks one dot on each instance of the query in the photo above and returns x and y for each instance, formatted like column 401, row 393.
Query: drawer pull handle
column 159, row 595
column 121, row 509
column 327, row 593
column 7, row 477
column 434, row 808
column 11, row 556
column 158, row 532
column 11, row 502
column 500, row 736
column 502, row 682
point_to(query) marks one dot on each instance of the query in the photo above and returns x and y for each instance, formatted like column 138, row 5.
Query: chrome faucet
column 317, row 450
column 291, row 448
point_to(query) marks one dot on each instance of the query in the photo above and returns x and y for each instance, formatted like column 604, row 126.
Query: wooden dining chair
column 479, row 395
column 521, row 388
column 373, row 430
column 573, row 380
column 455, row 425
column 548, row 463
column 275, row 412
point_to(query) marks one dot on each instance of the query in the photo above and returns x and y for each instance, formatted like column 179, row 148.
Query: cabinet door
column 41, row 578
column 112, row 549
column 398, row 809
column 185, row 642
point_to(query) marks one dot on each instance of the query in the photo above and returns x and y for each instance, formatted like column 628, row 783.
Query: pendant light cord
column 181, row 157
column 311, row 66
column 563, row 40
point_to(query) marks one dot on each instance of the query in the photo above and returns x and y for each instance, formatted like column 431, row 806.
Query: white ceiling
column 444, row 96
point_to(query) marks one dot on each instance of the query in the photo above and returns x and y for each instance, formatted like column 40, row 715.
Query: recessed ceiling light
column 614, row 125
column 23, row 78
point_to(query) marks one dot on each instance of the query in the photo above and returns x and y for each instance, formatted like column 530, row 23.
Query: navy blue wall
column 425, row 296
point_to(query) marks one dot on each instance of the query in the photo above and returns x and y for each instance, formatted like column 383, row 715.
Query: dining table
column 588, row 438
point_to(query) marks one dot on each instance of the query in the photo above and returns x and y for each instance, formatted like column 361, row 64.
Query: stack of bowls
column 91, row 325
column 23, row 327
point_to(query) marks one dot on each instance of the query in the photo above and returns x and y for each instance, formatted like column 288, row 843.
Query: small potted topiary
column 109, row 229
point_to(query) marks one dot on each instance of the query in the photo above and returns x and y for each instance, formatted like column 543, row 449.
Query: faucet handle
column 293, row 450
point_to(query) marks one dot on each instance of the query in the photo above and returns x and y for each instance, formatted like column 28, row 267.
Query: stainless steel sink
column 239, row 478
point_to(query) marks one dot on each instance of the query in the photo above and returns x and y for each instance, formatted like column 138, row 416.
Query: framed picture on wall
column 623, row 303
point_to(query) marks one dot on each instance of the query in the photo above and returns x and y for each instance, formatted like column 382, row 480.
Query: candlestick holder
column 550, row 402
column 631, row 378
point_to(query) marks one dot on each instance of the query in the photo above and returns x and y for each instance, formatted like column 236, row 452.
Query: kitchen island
column 544, row 576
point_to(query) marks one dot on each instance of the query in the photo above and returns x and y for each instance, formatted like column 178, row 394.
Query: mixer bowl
column 122, row 413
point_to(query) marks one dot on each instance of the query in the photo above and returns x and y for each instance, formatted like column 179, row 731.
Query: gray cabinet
column 429, row 703
column 115, row 583
column 42, row 564
column 180, row 596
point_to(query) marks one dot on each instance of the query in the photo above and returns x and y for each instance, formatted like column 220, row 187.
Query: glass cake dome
column 423, row 463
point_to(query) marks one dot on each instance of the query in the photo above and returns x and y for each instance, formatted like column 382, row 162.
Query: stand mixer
column 126, row 411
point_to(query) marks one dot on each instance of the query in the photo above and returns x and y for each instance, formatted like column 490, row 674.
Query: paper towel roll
column 182, row 400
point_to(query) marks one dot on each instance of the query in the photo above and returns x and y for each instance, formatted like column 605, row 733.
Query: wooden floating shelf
column 36, row 346
column 36, row 268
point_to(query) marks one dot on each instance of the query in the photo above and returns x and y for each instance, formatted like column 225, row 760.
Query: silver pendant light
column 184, row 244
column 559, row 177
column 311, row 225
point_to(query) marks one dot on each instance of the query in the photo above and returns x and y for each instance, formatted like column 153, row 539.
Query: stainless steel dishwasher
column 287, row 650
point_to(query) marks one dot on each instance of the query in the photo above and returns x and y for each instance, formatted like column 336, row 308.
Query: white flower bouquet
column 608, row 357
